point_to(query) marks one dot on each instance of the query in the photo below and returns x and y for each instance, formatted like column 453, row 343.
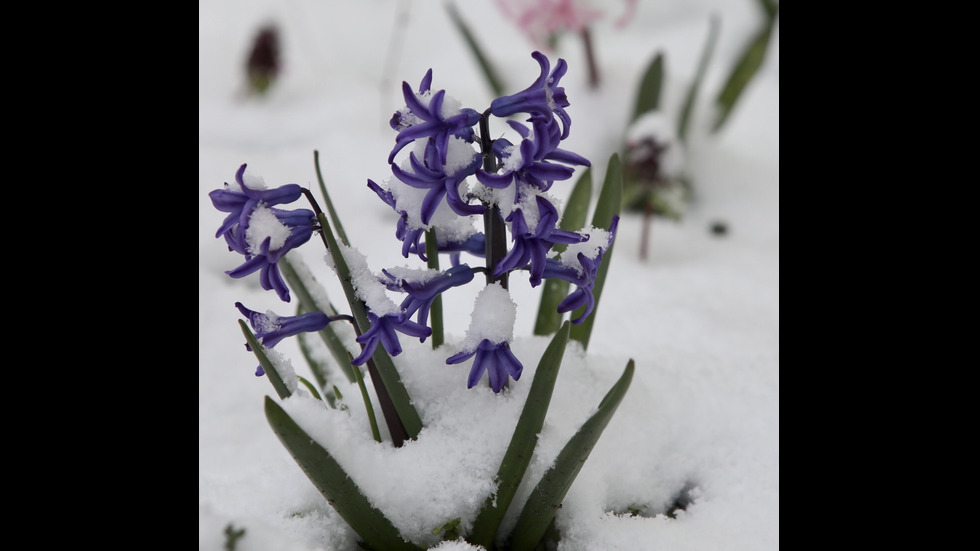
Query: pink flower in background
column 542, row 19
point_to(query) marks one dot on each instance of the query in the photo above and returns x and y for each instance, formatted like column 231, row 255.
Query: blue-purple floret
column 410, row 238
column 544, row 97
column 582, row 296
column 240, row 204
column 497, row 359
column 439, row 184
column 532, row 247
column 383, row 330
column 431, row 124
column 271, row 330
column 266, row 261
column 421, row 294
column 537, row 151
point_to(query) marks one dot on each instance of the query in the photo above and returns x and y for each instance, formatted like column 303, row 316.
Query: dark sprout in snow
column 497, row 359
column 544, row 97
column 383, row 330
column 270, row 329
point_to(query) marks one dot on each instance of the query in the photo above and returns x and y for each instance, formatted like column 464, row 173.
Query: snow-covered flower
column 428, row 115
column 264, row 237
column 409, row 236
column 239, row 199
column 439, row 181
column 532, row 244
column 495, row 358
column 582, row 271
column 488, row 337
column 271, row 328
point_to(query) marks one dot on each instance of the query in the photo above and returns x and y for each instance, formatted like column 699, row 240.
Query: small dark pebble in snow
column 719, row 228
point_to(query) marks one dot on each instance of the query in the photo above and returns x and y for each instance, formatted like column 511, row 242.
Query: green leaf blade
column 687, row 109
column 282, row 390
column 390, row 379
column 608, row 206
column 546, row 498
column 742, row 74
column 488, row 70
column 522, row 443
column 335, row 484
column 648, row 95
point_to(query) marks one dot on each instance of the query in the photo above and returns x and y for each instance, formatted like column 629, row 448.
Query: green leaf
column 555, row 290
column 334, row 483
column 388, row 382
column 270, row 370
column 326, row 199
column 742, row 73
column 770, row 7
column 607, row 207
column 367, row 403
column 488, row 71
column 546, row 498
column 522, row 443
column 692, row 92
column 290, row 267
column 648, row 96
column 309, row 386
column 316, row 367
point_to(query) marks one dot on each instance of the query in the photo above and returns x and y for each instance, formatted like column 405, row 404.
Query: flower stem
column 435, row 310
column 493, row 224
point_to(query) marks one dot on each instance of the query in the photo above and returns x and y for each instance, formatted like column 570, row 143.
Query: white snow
column 700, row 316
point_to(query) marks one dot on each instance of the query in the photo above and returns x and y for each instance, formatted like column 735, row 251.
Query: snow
column 699, row 316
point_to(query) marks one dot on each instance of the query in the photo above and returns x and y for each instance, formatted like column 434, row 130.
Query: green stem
column 435, row 310
column 367, row 403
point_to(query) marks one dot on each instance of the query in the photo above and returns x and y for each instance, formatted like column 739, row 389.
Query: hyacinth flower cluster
column 456, row 191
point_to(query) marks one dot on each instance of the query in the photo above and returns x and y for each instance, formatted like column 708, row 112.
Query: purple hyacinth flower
column 239, row 204
column 533, row 246
column 270, row 328
column 531, row 162
column 410, row 238
column 497, row 359
column 584, row 279
column 422, row 293
column 440, row 184
column 264, row 256
column 429, row 121
column 383, row 330
column 544, row 97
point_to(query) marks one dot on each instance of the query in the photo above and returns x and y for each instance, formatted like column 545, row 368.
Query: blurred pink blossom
column 541, row 19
